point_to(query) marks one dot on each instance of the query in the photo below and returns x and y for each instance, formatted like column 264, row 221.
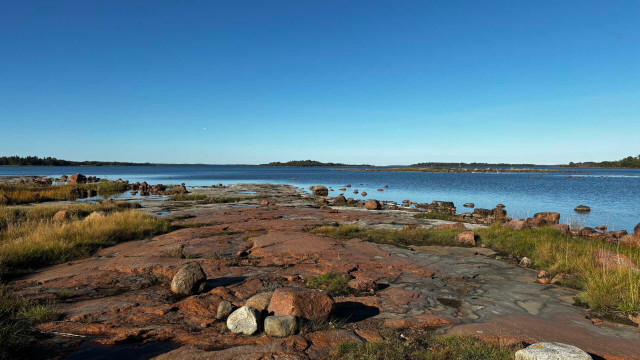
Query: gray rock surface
column 244, row 320
column 552, row 351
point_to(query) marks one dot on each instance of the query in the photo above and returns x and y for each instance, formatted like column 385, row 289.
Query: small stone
column 525, row 262
column 551, row 351
column 543, row 277
column 469, row 205
column 225, row 308
column 260, row 301
column 244, row 320
column 280, row 326
column 582, row 208
column 189, row 280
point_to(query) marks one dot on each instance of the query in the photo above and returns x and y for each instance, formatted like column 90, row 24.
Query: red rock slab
column 292, row 348
column 569, row 329
column 324, row 342
column 427, row 320
column 293, row 244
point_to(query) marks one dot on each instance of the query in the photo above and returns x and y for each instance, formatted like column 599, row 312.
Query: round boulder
column 372, row 205
column 280, row 326
column 319, row 190
column 339, row 200
column 551, row 351
column 61, row 215
column 189, row 280
column 244, row 320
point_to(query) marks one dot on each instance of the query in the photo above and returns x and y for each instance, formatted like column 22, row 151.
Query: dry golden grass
column 26, row 194
column 30, row 244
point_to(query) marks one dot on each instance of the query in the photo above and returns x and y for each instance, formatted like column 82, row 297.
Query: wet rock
column 319, row 190
column 339, row 200
column 372, row 205
column 225, row 308
column 260, row 301
column 280, row 326
column 469, row 205
column 355, row 191
column 343, row 189
column 500, row 206
column 562, row 228
column 582, row 208
column 587, row 232
column 551, row 351
column 364, row 193
column 348, row 185
column 517, row 225
column 61, row 215
column 482, row 212
column 467, row 238
column 312, row 305
column 548, row 217
column 76, row 179
column 380, row 189
column 189, row 280
column 245, row 320
column 612, row 260
column 543, row 277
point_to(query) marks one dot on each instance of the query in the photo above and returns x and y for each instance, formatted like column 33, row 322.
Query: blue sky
column 380, row 82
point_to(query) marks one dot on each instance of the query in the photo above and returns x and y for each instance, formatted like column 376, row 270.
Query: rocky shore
column 239, row 279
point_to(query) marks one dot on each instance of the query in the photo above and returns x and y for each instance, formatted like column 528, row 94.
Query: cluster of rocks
column 80, row 179
column 277, row 313
column 441, row 207
column 39, row 181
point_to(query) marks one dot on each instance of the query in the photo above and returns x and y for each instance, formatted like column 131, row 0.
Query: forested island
column 307, row 163
column 462, row 164
column 629, row 162
column 50, row 161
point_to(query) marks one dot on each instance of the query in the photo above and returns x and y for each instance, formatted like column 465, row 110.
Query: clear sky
column 379, row 82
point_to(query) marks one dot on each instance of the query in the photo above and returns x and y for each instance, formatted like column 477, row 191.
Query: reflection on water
column 613, row 195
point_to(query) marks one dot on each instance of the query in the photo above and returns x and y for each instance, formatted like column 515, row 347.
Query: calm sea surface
column 613, row 195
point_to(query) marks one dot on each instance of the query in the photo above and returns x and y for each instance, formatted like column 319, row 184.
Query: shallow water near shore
column 612, row 194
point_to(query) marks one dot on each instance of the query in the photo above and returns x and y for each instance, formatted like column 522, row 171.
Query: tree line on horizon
column 51, row 161
column 629, row 162
column 307, row 163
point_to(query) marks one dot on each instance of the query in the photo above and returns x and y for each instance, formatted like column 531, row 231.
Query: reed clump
column 11, row 194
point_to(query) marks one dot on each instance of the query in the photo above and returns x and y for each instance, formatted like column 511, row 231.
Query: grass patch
column 188, row 197
column 403, row 238
column 28, row 245
column 332, row 283
column 26, row 194
column 427, row 347
column 438, row 216
column 17, row 316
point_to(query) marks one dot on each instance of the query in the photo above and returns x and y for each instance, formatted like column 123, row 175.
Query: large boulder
column 61, row 215
column 467, row 238
column 339, row 200
column 582, row 208
column 636, row 230
column 548, row 217
column 562, row 228
column 517, row 225
column 612, row 260
column 189, row 280
column 319, row 190
column 280, row 326
column 551, row 351
column 308, row 304
column 372, row 205
column 76, row 179
column 260, row 301
column 245, row 320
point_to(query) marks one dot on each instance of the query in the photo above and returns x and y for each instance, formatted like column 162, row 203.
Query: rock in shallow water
column 551, row 351
column 189, row 280
column 280, row 326
column 244, row 320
